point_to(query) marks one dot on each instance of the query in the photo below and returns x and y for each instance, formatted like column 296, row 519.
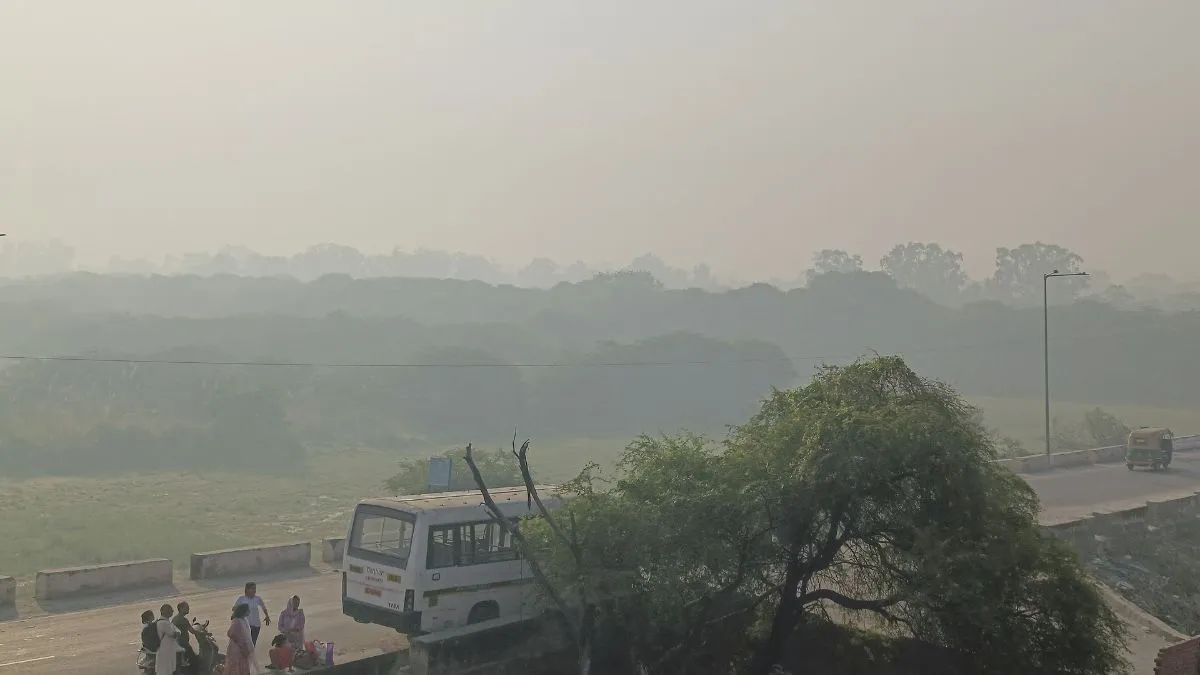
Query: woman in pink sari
column 239, row 655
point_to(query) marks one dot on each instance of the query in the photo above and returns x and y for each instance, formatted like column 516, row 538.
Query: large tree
column 929, row 269
column 834, row 260
column 870, row 492
column 1018, row 275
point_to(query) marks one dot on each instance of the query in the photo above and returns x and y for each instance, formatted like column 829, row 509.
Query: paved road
column 101, row 641
column 1080, row 491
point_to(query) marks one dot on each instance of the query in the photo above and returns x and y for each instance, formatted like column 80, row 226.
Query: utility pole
column 1046, row 277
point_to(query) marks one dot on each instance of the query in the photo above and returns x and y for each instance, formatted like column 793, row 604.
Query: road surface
column 63, row 639
column 105, row 640
column 1082, row 490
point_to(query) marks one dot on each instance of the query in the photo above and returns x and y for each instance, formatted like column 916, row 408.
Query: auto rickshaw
column 1150, row 446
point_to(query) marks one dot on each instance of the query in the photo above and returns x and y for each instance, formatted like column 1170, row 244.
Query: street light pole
column 1046, row 277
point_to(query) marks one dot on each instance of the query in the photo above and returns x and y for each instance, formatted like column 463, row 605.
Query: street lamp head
column 1056, row 273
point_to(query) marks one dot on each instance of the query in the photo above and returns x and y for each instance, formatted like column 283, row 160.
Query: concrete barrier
column 332, row 549
column 1124, row 520
column 70, row 582
column 1070, row 458
column 394, row 663
column 252, row 560
column 8, row 592
column 1182, row 658
column 1187, row 442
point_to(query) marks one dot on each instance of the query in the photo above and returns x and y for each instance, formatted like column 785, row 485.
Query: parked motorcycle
column 145, row 661
column 209, row 659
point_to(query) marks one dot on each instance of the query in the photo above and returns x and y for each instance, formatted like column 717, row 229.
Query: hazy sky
column 745, row 134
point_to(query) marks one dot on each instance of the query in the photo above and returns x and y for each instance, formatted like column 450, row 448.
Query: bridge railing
column 1069, row 458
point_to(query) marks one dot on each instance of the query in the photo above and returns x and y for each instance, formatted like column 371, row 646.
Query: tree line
column 92, row 417
column 391, row 363
column 926, row 267
column 1099, row 353
column 867, row 496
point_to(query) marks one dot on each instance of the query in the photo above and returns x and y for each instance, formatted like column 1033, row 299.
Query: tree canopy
column 867, row 495
column 398, row 363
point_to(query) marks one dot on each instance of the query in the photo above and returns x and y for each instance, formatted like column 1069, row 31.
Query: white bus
column 431, row 562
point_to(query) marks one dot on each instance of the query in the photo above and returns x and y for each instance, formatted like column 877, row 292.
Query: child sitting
column 281, row 654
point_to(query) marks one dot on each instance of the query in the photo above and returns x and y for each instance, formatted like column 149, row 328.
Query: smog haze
column 743, row 135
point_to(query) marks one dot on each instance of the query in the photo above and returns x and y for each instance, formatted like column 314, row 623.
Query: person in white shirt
column 259, row 614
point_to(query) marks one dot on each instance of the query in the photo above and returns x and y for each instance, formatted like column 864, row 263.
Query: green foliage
column 928, row 269
column 1018, row 276
column 499, row 469
column 69, row 430
column 871, row 490
column 834, row 260
column 1098, row 429
column 1099, row 353
column 468, row 345
column 1104, row 428
column 85, row 417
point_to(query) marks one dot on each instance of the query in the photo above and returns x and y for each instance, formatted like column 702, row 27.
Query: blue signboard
column 439, row 473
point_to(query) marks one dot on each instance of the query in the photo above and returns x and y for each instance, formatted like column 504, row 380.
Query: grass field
column 1024, row 419
column 63, row 522
column 58, row 522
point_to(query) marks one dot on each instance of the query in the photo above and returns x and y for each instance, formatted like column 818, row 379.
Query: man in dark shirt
column 184, row 624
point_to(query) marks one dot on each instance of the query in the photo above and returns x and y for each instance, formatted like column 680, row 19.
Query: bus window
column 469, row 544
column 492, row 544
column 442, row 541
column 384, row 536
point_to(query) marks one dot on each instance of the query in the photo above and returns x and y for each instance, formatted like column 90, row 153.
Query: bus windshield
column 382, row 535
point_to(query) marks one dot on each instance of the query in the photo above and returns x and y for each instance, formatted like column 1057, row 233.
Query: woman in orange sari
column 239, row 655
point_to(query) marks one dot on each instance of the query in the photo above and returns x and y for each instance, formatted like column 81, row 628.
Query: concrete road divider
column 252, row 560
column 70, row 582
column 1070, row 458
column 394, row 663
column 332, row 549
column 8, row 591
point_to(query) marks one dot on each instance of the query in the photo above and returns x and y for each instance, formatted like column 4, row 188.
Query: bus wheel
column 483, row 611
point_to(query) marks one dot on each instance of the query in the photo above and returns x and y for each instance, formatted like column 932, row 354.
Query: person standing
column 239, row 654
column 168, row 647
column 259, row 614
column 291, row 623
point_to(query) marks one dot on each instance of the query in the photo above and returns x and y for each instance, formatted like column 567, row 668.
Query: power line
column 560, row 364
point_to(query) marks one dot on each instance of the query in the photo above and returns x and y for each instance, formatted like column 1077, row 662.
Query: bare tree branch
column 879, row 605
column 523, row 544
column 531, row 488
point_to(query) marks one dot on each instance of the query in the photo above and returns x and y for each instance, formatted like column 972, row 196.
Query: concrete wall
column 333, row 549
column 71, row 582
column 252, row 560
column 8, row 591
column 1182, row 658
column 1062, row 460
column 395, row 663
column 1179, row 659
